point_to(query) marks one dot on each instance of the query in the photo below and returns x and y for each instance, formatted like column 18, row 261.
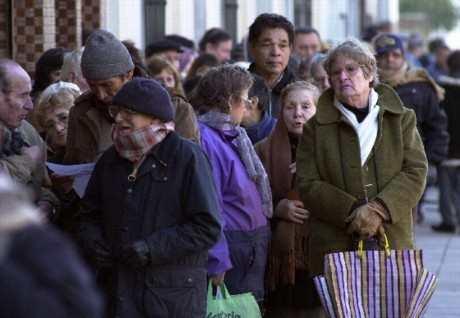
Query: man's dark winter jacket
column 431, row 120
column 450, row 104
column 262, row 129
column 41, row 275
column 172, row 206
column 271, row 96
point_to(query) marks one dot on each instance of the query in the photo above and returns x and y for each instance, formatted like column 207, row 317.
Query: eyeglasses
column 115, row 110
column 350, row 70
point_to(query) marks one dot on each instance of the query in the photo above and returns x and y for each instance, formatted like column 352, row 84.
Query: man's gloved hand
column 366, row 220
column 136, row 255
column 101, row 254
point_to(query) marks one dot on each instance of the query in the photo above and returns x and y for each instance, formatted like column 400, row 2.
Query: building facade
column 29, row 27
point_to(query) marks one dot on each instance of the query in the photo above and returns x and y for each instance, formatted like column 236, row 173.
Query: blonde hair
column 156, row 65
column 300, row 85
column 57, row 95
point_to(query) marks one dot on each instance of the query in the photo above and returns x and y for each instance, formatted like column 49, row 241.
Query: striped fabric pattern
column 375, row 285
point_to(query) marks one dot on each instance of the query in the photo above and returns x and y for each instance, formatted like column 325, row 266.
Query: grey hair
column 5, row 67
column 357, row 51
column 71, row 63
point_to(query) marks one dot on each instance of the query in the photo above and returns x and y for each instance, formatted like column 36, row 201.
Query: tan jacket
column 331, row 179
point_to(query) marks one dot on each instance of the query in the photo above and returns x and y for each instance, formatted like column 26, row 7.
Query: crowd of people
column 232, row 164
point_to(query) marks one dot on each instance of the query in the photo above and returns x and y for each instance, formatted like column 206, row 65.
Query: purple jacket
column 238, row 198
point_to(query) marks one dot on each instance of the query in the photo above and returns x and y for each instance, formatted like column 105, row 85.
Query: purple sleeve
column 219, row 255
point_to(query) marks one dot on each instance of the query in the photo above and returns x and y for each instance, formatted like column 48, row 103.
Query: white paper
column 81, row 173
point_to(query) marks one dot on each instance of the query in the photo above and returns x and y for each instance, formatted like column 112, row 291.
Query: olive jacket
column 331, row 180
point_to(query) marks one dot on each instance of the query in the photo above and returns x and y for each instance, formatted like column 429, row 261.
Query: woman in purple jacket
column 243, row 189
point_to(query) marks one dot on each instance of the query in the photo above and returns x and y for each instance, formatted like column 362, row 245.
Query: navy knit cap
column 145, row 96
column 386, row 42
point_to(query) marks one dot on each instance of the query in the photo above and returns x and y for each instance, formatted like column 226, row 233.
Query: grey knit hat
column 104, row 57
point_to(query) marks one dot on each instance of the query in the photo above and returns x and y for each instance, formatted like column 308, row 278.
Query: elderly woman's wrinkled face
column 349, row 81
column 320, row 77
column 127, row 120
column 56, row 120
column 299, row 107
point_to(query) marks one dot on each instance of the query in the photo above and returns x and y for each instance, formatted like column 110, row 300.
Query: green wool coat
column 331, row 179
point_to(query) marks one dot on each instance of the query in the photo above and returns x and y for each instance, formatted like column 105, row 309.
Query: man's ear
column 129, row 75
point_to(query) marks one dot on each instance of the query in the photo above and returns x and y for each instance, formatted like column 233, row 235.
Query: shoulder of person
column 30, row 134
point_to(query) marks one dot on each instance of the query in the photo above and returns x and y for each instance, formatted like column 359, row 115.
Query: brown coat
column 89, row 130
column 331, row 179
column 185, row 119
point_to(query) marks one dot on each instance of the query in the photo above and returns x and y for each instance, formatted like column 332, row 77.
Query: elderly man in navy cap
column 418, row 91
column 149, row 213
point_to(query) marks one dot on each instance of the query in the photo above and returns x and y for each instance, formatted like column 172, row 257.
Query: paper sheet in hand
column 81, row 174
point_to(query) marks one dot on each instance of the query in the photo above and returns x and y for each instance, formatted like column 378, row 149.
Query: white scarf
column 368, row 128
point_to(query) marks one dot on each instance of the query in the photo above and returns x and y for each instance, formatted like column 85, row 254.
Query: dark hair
column 270, row 21
column 213, row 36
column 49, row 62
column 219, row 84
column 307, row 31
column 202, row 60
column 140, row 70
column 453, row 62
column 435, row 44
column 182, row 41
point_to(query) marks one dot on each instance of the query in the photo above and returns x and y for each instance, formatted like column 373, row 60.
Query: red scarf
column 134, row 145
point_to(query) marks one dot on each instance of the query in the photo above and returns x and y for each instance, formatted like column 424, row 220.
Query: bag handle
column 386, row 244
column 223, row 291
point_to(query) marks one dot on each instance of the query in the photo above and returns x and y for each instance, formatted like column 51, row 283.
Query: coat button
column 189, row 280
column 165, row 179
column 154, row 166
column 130, row 190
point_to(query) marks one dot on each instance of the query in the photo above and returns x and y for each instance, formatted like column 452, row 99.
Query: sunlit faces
column 15, row 103
column 238, row 105
column 56, row 126
column 166, row 78
column 299, row 107
column 392, row 60
column 222, row 50
column 271, row 52
column 349, row 82
column 306, row 45
column 105, row 90
column 127, row 120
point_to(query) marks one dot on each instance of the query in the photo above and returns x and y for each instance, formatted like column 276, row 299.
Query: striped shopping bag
column 375, row 284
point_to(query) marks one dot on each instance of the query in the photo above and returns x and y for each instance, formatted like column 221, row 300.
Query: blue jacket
column 262, row 129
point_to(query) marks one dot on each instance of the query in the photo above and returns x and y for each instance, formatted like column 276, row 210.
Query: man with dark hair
column 307, row 43
column 271, row 39
column 218, row 43
column 449, row 170
column 106, row 65
column 22, row 151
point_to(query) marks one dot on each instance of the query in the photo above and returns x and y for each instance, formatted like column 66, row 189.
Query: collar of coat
column 388, row 101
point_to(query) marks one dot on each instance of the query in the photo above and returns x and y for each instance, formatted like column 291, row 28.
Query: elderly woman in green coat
column 361, row 165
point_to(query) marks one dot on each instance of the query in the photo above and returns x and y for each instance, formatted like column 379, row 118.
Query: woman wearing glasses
column 243, row 189
column 361, row 165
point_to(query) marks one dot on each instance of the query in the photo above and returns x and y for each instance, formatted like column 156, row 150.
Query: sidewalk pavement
column 441, row 254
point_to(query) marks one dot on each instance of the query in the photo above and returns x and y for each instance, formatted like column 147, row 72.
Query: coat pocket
column 176, row 293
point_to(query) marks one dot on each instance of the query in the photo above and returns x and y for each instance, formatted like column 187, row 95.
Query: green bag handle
column 223, row 291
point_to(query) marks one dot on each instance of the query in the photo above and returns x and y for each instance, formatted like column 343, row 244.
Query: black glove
column 136, row 255
column 101, row 255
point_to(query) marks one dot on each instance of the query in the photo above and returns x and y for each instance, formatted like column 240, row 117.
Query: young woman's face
column 299, row 107
column 166, row 78
column 56, row 126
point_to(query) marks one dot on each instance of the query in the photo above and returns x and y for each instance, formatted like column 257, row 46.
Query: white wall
column 180, row 18
column 125, row 19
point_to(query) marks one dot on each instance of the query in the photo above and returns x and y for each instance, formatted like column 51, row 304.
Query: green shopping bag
column 231, row 306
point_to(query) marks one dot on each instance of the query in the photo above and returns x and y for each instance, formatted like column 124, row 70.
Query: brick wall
column 91, row 15
column 68, row 23
column 33, row 30
column 5, row 16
